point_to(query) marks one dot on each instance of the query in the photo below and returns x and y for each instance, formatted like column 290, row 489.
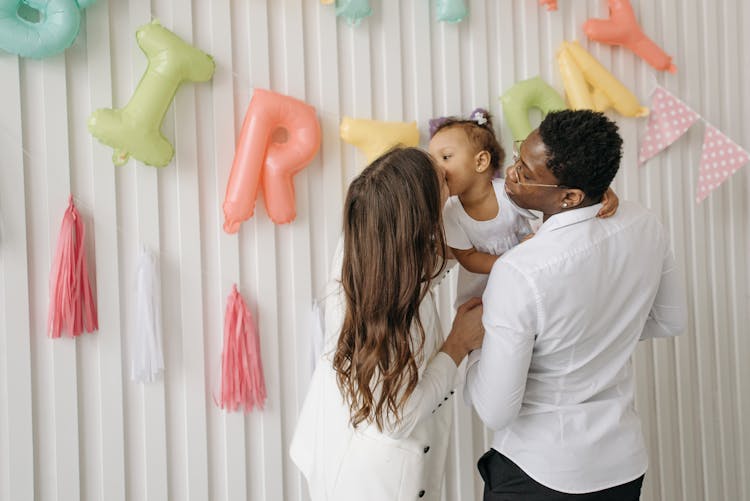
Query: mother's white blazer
column 406, row 461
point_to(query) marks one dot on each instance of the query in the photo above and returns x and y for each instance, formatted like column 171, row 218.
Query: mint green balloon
column 531, row 93
column 39, row 28
column 353, row 10
column 451, row 11
column 135, row 130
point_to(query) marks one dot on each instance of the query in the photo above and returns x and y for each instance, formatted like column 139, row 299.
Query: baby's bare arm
column 474, row 261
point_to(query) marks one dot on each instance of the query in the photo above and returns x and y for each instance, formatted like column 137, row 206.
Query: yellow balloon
column 576, row 88
column 601, row 101
column 598, row 77
column 373, row 137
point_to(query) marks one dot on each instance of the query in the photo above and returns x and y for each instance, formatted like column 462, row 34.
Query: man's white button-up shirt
column 563, row 313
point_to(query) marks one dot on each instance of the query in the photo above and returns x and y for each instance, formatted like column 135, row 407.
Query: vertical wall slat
column 152, row 458
column 669, row 426
column 191, row 279
column 106, row 236
column 229, row 465
column 63, row 351
column 294, row 252
column 17, row 473
column 232, row 483
column 265, row 439
column 742, row 245
column 717, row 206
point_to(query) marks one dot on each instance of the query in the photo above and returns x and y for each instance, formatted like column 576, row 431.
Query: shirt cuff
column 443, row 365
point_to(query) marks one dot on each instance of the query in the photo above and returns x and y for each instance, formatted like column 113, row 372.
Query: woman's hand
column 610, row 202
column 467, row 332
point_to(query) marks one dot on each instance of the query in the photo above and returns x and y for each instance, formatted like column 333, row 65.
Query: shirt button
column 446, row 398
column 440, row 405
column 452, row 392
column 421, row 493
column 426, row 449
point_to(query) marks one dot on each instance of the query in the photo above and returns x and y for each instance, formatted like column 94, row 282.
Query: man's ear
column 482, row 160
column 572, row 198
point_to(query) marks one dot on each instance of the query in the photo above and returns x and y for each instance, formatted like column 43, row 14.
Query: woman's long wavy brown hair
column 393, row 243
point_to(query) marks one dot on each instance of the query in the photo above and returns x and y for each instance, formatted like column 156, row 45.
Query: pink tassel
column 242, row 381
column 71, row 304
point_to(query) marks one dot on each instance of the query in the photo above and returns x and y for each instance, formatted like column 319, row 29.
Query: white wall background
column 72, row 425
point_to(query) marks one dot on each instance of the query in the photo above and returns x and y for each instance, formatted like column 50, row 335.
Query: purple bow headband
column 479, row 116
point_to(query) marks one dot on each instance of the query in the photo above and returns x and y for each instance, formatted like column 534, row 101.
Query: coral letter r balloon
column 279, row 137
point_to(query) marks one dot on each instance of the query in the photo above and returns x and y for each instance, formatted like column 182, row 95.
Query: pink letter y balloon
column 622, row 28
column 279, row 137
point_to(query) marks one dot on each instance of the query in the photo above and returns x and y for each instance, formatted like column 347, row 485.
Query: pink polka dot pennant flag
column 669, row 119
column 721, row 158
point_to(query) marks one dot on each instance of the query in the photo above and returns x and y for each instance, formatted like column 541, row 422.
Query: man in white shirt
column 563, row 313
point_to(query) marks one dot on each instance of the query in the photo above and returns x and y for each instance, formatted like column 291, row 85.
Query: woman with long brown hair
column 375, row 424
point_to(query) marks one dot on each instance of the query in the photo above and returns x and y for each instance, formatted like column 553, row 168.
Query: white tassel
column 148, row 358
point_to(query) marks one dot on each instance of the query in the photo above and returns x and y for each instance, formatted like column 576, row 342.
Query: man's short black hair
column 584, row 149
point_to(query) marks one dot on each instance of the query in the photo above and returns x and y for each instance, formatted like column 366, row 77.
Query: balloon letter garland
column 374, row 137
column 622, row 29
column 531, row 93
column 54, row 30
column 279, row 137
column 576, row 88
column 135, row 129
column 609, row 92
column 451, row 11
column 353, row 10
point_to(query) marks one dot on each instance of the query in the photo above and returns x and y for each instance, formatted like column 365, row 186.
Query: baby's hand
column 610, row 202
column 530, row 235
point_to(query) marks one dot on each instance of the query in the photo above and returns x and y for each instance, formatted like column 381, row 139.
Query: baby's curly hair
column 584, row 149
column 481, row 136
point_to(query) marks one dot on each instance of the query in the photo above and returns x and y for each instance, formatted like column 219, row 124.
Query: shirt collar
column 570, row 217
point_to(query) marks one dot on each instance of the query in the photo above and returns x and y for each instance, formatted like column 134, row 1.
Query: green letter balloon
column 135, row 130
column 531, row 93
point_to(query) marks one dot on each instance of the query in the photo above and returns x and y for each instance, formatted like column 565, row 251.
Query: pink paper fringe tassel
column 71, row 305
column 242, row 381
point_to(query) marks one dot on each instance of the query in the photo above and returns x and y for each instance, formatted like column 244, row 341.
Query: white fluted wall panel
column 73, row 426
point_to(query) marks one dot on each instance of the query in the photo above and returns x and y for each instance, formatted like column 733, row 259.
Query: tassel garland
column 72, row 308
column 147, row 355
column 242, row 381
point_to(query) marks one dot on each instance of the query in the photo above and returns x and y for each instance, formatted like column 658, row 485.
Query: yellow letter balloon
column 620, row 98
column 576, row 88
column 373, row 137
column 135, row 130
column 526, row 94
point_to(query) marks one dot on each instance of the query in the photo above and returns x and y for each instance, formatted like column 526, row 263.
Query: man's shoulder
column 632, row 213
column 632, row 208
column 578, row 239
